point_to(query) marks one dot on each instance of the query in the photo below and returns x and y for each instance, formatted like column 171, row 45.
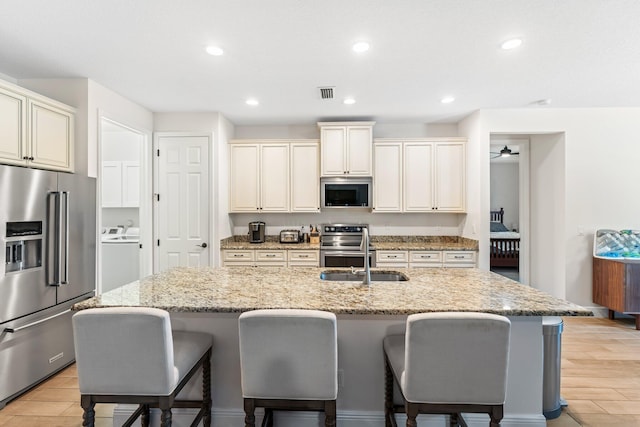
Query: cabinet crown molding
column 274, row 141
column 321, row 124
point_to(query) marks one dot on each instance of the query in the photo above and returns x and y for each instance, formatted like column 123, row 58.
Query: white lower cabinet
column 397, row 259
column 459, row 259
column 425, row 259
column 238, row 258
column 303, row 258
column 269, row 258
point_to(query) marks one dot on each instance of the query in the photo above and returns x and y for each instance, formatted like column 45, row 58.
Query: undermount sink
column 376, row 276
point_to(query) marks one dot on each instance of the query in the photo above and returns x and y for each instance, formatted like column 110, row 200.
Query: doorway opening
column 509, row 183
column 122, row 209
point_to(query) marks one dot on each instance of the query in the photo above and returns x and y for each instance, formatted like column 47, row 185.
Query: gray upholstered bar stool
column 448, row 363
column 288, row 361
column 131, row 355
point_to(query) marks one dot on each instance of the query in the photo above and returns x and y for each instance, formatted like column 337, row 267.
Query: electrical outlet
column 340, row 378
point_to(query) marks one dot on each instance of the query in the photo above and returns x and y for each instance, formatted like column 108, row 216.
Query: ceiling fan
column 505, row 152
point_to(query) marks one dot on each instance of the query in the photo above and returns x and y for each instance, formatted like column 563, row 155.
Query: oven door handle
column 348, row 253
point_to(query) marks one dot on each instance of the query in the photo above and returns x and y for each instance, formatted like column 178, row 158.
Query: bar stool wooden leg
column 453, row 420
column 89, row 415
column 144, row 419
column 496, row 415
column 412, row 413
column 330, row 413
column 388, row 393
column 249, row 409
column 206, row 390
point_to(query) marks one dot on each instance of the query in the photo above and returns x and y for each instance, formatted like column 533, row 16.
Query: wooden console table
column 616, row 285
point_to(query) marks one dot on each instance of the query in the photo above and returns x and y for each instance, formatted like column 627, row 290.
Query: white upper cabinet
column 346, row 148
column 418, row 177
column 450, row 176
column 431, row 176
column 35, row 131
column 274, row 176
column 120, row 184
column 244, row 177
column 130, row 184
column 305, row 177
column 13, row 127
column 387, row 177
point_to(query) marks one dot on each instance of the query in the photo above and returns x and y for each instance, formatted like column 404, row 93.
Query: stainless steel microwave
column 341, row 192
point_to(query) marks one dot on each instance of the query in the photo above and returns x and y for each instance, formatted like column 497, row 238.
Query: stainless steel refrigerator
column 47, row 264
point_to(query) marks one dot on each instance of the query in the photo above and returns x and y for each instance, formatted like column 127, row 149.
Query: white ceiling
column 579, row 53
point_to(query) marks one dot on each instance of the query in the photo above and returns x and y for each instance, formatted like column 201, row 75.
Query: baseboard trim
column 182, row 417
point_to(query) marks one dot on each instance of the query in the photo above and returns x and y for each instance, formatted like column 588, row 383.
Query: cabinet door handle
column 303, row 256
column 270, row 255
column 459, row 256
column 393, row 256
column 426, row 256
column 238, row 255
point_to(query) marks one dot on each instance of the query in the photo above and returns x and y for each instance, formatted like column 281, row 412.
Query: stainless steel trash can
column 552, row 403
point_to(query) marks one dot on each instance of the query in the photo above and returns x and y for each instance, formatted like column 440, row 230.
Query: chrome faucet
column 364, row 247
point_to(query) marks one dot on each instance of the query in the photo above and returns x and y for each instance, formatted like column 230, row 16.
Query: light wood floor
column 600, row 381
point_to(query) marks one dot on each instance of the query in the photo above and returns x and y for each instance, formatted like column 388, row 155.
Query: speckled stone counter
column 238, row 289
column 396, row 243
column 423, row 243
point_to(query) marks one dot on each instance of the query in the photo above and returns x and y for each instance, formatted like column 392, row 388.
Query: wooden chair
column 131, row 355
column 448, row 363
column 288, row 361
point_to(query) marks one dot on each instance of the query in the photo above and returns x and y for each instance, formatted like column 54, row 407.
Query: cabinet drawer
column 238, row 255
column 460, row 258
column 266, row 255
column 304, row 256
column 391, row 256
column 426, row 256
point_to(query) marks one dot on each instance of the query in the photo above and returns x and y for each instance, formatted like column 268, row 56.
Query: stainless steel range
column 340, row 246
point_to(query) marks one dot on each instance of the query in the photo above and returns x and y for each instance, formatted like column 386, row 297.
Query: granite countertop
column 398, row 243
column 239, row 289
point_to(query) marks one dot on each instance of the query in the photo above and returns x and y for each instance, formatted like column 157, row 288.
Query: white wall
column 505, row 192
column 596, row 160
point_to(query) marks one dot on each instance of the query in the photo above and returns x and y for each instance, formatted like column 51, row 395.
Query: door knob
column 204, row 245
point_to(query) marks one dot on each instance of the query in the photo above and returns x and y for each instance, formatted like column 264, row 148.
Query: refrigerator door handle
column 53, row 234
column 37, row 322
column 64, row 239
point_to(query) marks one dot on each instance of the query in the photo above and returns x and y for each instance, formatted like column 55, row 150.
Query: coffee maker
column 256, row 232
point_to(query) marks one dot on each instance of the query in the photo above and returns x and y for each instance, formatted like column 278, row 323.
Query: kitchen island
column 211, row 299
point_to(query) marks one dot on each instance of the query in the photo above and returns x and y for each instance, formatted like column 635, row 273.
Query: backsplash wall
column 391, row 224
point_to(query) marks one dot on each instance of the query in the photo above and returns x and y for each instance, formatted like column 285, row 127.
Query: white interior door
column 182, row 201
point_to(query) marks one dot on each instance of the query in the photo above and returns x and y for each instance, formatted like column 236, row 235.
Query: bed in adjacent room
column 505, row 244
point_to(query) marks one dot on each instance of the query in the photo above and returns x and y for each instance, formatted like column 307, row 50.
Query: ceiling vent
column 326, row 92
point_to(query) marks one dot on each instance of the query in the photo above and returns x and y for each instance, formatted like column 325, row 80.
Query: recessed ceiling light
column 214, row 50
column 511, row 44
column 361, row 47
column 349, row 101
column 447, row 99
column 253, row 102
